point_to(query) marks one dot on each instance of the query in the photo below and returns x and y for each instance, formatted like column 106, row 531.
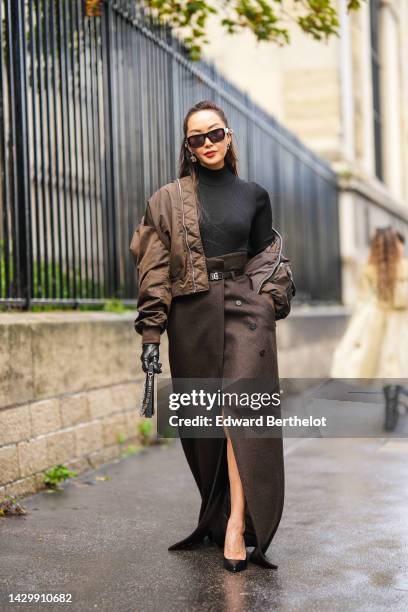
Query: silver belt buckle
column 216, row 275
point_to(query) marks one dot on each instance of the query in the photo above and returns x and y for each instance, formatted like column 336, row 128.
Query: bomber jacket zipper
column 275, row 266
column 185, row 232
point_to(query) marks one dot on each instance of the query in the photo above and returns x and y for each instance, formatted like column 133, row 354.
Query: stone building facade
column 347, row 99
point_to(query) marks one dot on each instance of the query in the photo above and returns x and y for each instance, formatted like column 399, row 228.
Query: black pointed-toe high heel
column 236, row 565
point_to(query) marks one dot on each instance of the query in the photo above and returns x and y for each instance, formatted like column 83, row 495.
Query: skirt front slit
column 226, row 332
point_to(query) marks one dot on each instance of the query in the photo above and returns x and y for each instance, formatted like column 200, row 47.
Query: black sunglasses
column 197, row 140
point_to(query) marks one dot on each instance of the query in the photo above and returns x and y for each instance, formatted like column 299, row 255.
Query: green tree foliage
column 267, row 20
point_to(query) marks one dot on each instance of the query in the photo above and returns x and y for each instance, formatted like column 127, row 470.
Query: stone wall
column 70, row 388
column 71, row 384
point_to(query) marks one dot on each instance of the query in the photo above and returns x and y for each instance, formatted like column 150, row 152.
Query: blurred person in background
column 375, row 343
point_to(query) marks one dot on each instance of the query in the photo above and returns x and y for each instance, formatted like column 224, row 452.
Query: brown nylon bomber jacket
column 170, row 260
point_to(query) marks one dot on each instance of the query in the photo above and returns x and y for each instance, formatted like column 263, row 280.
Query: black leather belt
column 214, row 275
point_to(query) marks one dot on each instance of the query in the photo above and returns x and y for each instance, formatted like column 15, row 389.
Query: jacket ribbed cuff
column 151, row 334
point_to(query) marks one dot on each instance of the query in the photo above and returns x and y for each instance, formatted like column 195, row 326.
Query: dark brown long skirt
column 230, row 332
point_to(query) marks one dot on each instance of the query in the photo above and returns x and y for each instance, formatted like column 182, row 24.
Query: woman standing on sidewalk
column 205, row 251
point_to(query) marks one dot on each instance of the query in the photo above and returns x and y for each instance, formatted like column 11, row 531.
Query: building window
column 375, row 68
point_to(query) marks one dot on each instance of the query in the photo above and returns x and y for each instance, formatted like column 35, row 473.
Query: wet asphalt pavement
column 342, row 543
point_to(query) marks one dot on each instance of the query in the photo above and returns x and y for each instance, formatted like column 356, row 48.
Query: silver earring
column 193, row 157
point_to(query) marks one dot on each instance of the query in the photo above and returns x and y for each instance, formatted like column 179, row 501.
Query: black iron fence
column 91, row 113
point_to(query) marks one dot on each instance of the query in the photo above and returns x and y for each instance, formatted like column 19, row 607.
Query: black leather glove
column 151, row 354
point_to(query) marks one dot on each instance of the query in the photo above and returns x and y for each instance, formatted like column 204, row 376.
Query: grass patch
column 56, row 475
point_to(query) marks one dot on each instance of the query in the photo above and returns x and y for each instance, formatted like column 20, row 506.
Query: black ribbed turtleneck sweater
column 237, row 214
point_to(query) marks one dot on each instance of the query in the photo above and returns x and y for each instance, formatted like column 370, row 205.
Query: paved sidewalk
column 341, row 544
